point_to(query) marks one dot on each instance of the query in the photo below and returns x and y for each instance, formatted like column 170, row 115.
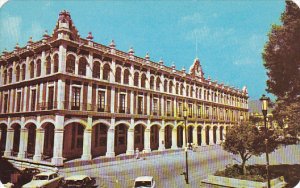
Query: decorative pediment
column 196, row 69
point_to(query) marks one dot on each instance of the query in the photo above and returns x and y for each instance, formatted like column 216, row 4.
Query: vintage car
column 45, row 179
column 27, row 174
column 144, row 181
column 79, row 181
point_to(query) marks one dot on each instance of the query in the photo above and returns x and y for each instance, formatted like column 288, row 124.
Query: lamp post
column 186, row 147
column 264, row 109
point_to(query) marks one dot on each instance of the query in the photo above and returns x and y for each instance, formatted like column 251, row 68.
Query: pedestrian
column 137, row 153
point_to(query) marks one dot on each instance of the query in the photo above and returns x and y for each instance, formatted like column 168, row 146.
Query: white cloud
column 11, row 27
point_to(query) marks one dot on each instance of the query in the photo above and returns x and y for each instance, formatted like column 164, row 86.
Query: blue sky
column 230, row 35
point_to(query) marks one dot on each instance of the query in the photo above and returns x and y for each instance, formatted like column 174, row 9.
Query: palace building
column 65, row 97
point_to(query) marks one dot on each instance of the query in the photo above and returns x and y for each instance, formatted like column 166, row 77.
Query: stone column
column 175, row 107
column 112, row 72
column 39, row 144
column 148, row 104
column 161, row 139
column 41, row 95
column 132, row 102
column 87, row 142
column 174, row 138
column 89, row 69
column 211, row 136
column 183, row 137
column 130, row 142
column 61, row 94
column 218, row 140
column 162, row 104
column 147, row 148
column 57, row 159
column 23, row 143
column 9, row 142
column 112, row 100
column 62, row 56
column 89, row 98
column 11, row 100
column 43, row 60
column 25, row 99
column 195, row 136
column 203, row 137
column 110, row 152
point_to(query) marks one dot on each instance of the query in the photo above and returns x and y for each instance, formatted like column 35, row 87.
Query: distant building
column 66, row 97
column 255, row 111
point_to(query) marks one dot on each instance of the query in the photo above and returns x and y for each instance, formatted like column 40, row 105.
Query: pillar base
column 86, row 157
column 129, row 152
column 174, row 147
column 161, row 148
column 57, row 161
column 7, row 153
column 147, row 150
column 110, row 154
column 21, row 155
column 37, row 157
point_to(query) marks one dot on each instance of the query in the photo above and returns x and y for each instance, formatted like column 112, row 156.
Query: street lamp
column 186, row 147
column 264, row 109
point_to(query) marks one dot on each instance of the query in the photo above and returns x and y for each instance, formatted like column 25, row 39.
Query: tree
column 282, row 60
column 246, row 140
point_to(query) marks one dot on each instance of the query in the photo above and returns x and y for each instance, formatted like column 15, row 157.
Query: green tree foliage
column 246, row 140
column 282, row 61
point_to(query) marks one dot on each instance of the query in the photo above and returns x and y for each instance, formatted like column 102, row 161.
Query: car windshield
column 41, row 177
column 74, row 182
column 142, row 184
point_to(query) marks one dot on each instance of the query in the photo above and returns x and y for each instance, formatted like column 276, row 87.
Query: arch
column 48, row 65
column 158, row 83
column 139, row 132
column 73, row 140
column 181, row 89
column 23, row 71
column 31, row 127
column 56, row 63
column 96, row 69
column 180, row 132
column 156, row 123
column 99, row 139
column 136, row 79
column 18, row 73
column 46, row 121
column 82, row 66
column 166, row 85
column 143, row 80
column 48, row 139
column 170, row 86
column 191, row 125
column 121, row 138
column 106, row 71
column 38, row 68
column 168, row 136
column 3, row 134
column 170, row 124
column 141, row 123
column 31, row 121
column 15, row 122
column 154, row 136
column 31, row 68
column 70, row 63
column 126, row 76
column 118, row 75
column 123, row 122
column 101, row 121
column 10, row 70
column 180, row 124
column 76, row 120
column 207, row 128
column 4, row 122
column 16, row 140
column 152, row 82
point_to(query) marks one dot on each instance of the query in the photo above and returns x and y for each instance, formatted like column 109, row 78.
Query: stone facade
column 66, row 97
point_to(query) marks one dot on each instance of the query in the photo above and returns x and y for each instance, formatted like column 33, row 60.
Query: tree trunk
column 244, row 167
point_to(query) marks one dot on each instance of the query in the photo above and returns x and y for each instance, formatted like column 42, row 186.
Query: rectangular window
column 169, row 108
column 50, row 97
column 180, row 109
column 190, row 110
column 140, row 105
column 33, row 100
column 18, row 107
column 199, row 110
column 101, row 101
column 155, row 107
column 122, row 103
column 76, row 98
column 207, row 112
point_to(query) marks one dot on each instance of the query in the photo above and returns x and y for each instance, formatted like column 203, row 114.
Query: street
column 167, row 169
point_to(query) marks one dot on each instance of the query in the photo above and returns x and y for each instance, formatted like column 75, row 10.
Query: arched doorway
column 179, row 136
column 199, row 136
column 221, row 133
column 154, row 137
column 3, row 129
column 215, row 128
column 190, row 134
column 99, row 140
column 73, row 140
column 139, row 131
column 48, row 140
column 31, row 139
column 16, row 142
column 121, row 139
column 207, row 134
column 168, row 137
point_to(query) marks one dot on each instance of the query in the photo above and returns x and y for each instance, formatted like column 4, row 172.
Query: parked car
column 45, row 179
column 27, row 174
column 79, row 181
column 144, row 181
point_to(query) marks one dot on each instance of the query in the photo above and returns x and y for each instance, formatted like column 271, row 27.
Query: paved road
column 167, row 168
